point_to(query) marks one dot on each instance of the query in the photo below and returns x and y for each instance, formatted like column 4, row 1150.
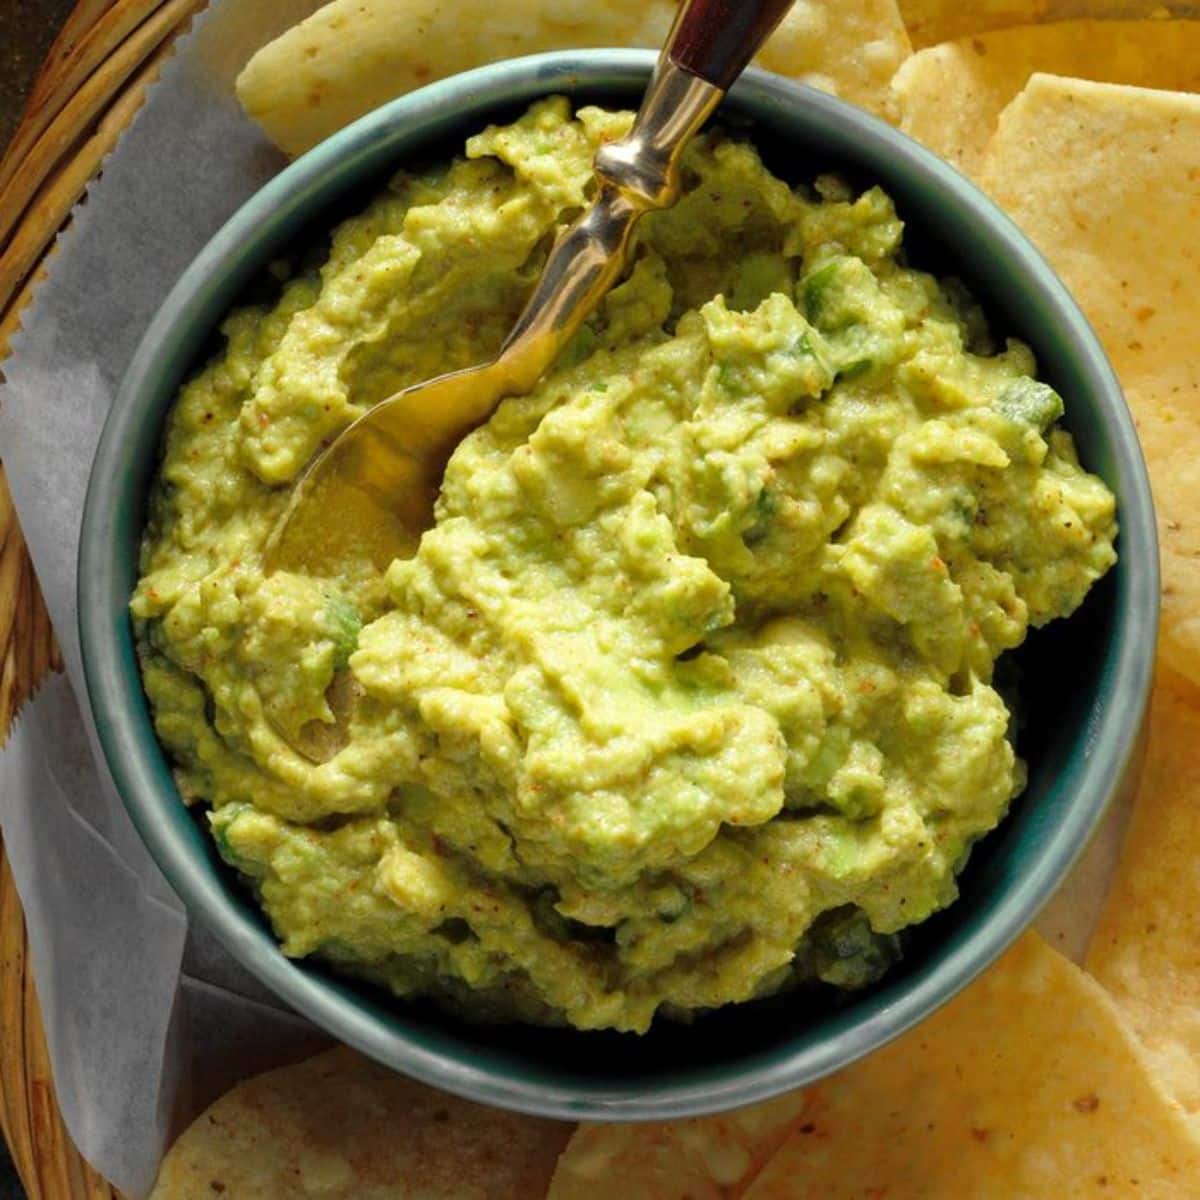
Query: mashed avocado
column 688, row 695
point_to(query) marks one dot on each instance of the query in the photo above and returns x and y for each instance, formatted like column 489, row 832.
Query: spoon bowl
column 371, row 494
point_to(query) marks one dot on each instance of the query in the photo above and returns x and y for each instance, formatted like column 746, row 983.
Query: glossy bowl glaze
column 1085, row 687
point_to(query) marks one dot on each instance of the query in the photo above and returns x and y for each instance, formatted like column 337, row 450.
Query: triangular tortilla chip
column 1168, row 424
column 932, row 21
column 706, row 1158
column 1106, row 181
column 353, row 55
column 851, row 49
column 1147, row 948
column 1028, row 1085
column 341, row 1127
column 950, row 96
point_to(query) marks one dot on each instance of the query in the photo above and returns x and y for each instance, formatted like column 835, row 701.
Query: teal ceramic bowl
column 1086, row 681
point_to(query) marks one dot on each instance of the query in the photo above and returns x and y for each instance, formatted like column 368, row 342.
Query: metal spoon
column 370, row 495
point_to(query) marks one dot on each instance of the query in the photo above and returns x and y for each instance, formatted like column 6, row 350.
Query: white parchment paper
column 146, row 1020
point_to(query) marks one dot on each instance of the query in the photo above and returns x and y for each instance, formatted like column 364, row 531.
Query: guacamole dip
column 688, row 695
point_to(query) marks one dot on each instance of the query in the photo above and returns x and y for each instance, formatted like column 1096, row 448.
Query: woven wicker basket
column 91, row 84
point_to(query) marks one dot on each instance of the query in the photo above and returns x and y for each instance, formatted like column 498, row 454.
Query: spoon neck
column 643, row 166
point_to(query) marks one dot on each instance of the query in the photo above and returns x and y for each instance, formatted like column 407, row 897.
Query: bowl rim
column 116, row 696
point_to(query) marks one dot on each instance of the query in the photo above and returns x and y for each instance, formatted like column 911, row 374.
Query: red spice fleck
column 1088, row 1103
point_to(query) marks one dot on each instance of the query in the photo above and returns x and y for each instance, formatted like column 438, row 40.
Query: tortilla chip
column 353, row 55
column 1106, row 181
column 950, row 96
column 1028, row 1084
column 851, row 49
column 1168, row 424
column 708, row 1158
column 340, row 1127
column 1147, row 949
column 932, row 21
column 1121, row 10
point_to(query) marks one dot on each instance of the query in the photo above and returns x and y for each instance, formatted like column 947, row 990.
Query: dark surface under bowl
column 1085, row 682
